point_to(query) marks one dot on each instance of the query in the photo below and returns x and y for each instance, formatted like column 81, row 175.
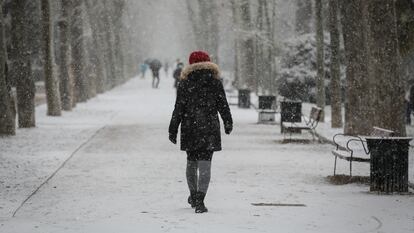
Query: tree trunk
column 405, row 26
column 320, row 59
column 247, row 60
column 304, row 16
column 336, row 103
column 98, row 44
column 205, row 25
column 21, row 65
column 237, row 41
column 274, row 71
column 81, row 86
column 268, row 50
column 118, row 9
column 258, row 49
column 358, row 100
column 194, row 23
column 7, row 111
column 51, row 83
column 104, row 38
column 384, row 61
column 214, row 30
column 107, row 29
column 66, row 82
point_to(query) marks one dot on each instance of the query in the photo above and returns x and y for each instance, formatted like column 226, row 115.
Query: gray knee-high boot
column 204, row 168
column 192, row 177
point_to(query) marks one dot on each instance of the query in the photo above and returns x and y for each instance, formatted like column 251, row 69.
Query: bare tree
column 194, row 23
column 405, row 26
column 106, row 27
column 247, row 65
column 384, row 60
column 204, row 18
column 358, row 101
column 263, row 48
column 98, row 42
column 236, row 32
column 7, row 115
column 336, row 103
column 78, row 52
column 51, row 82
column 66, row 79
column 21, row 64
column 118, row 8
column 304, row 17
column 274, row 50
column 320, row 58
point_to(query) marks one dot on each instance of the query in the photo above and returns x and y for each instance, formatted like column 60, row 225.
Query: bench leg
column 281, row 127
column 313, row 135
column 336, row 157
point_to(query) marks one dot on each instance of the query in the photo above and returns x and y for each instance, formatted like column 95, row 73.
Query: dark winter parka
column 200, row 97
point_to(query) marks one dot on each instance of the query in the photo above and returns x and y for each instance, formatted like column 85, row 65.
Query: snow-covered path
column 129, row 178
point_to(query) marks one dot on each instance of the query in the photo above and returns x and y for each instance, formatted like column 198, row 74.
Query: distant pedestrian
column 166, row 68
column 155, row 66
column 200, row 97
column 143, row 69
column 177, row 73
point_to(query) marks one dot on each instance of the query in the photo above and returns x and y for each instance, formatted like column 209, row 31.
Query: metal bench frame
column 347, row 152
column 310, row 123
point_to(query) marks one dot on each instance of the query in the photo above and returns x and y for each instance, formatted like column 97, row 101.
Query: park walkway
column 117, row 172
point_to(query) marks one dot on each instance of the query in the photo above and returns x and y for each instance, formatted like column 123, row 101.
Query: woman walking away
column 200, row 97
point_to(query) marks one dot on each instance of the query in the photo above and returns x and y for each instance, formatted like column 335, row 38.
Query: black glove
column 173, row 138
column 228, row 128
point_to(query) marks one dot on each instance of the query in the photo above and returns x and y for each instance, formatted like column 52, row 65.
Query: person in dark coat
column 200, row 98
column 155, row 66
column 177, row 73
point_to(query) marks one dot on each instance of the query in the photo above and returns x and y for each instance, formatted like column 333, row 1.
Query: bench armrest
column 357, row 139
column 342, row 145
column 309, row 122
column 334, row 140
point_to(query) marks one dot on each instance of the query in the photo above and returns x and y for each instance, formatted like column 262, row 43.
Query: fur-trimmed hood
column 201, row 66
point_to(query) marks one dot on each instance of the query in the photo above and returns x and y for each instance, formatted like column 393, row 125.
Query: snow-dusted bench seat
column 354, row 148
column 267, row 115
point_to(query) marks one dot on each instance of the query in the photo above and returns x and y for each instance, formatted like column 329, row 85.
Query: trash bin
column 290, row 111
column 244, row 98
column 389, row 163
column 267, row 102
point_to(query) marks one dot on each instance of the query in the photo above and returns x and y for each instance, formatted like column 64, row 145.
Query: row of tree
column 377, row 36
column 255, row 45
column 78, row 46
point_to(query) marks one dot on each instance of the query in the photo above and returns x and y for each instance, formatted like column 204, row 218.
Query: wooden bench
column 354, row 148
column 309, row 123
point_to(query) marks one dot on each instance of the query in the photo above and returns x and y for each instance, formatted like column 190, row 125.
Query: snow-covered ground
column 123, row 175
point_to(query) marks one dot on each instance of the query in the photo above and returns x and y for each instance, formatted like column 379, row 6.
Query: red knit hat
column 198, row 56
